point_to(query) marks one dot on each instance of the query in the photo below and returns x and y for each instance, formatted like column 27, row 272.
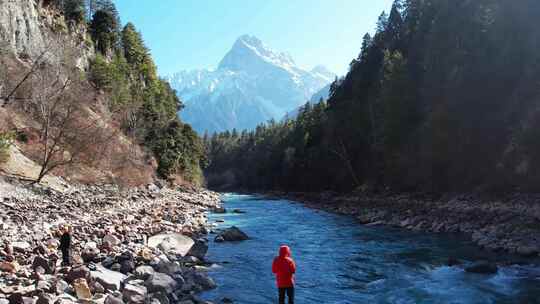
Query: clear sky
column 194, row 34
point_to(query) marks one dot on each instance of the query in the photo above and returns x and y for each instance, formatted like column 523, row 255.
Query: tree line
column 443, row 97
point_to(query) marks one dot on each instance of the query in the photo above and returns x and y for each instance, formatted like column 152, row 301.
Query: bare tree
column 55, row 94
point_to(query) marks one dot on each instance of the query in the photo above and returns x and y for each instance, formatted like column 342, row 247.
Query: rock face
column 29, row 28
column 232, row 234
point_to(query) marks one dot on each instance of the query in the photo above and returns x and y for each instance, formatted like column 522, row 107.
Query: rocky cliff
column 28, row 28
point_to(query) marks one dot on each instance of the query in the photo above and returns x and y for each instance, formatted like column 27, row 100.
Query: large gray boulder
column 232, row 234
column 109, row 279
column 134, row 293
column 172, row 242
column 160, row 282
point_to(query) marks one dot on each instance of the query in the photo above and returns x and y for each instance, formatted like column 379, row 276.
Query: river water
column 341, row 261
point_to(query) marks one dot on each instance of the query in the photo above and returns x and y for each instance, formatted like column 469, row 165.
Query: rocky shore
column 143, row 245
column 508, row 224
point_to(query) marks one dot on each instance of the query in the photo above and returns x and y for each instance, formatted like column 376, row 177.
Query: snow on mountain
column 251, row 85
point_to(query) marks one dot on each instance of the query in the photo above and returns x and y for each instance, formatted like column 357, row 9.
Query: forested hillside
column 80, row 93
column 443, row 97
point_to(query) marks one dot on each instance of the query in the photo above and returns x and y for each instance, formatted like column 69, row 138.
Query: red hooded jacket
column 284, row 268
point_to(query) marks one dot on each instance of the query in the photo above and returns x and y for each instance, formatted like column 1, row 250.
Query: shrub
column 6, row 140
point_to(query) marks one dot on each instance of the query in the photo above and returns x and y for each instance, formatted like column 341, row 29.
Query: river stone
column 144, row 272
column 81, row 272
column 45, row 298
column 175, row 242
column 528, row 250
column 16, row 298
column 199, row 249
column 482, row 268
column 42, row 262
column 203, row 281
column 20, row 246
column 81, row 289
column 219, row 210
column 111, row 299
column 134, row 293
column 109, row 279
column 160, row 282
column 232, row 234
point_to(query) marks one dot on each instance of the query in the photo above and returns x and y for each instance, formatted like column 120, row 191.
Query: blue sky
column 194, row 34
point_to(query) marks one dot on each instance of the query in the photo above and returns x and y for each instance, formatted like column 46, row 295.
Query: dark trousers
column 65, row 257
column 290, row 294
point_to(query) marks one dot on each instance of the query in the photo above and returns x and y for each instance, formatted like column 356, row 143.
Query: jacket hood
column 284, row 252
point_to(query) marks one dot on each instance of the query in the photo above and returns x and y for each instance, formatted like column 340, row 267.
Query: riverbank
column 510, row 223
column 140, row 245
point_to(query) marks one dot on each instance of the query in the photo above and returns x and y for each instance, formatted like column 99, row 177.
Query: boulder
column 109, row 279
column 144, row 272
column 238, row 211
column 81, row 289
column 482, row 268
column 219, row 210
column 160, row 298
column 135, row 294
column 45, row 298
column 42, row 262
column 11, row 267
column 199, row 249
column 112, row 299
column 160, row 282
column 127, row 266
column 90, row 252
column 110, row 241
column 16, row 298
column 20, row 246
column 61, row 287
column 172, row 242
column 203, row 281
column 81, row 272
column 232, row 234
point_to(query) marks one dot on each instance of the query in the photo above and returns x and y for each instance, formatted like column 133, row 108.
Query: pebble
column 110, row 257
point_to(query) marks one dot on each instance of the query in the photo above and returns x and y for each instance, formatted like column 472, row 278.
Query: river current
column 341, row 261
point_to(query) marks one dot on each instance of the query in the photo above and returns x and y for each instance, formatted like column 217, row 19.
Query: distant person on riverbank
column 284, row 268
column 65, row 244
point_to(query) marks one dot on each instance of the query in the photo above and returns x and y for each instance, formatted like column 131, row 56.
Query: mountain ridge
column 251, row 85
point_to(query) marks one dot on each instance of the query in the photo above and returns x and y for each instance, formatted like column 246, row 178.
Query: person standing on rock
column 65, row 245
column 284, row 268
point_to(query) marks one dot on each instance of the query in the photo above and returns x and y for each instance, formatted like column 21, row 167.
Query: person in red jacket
column 284, row 268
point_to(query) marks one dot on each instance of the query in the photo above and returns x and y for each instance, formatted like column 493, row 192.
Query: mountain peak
column 250, row 52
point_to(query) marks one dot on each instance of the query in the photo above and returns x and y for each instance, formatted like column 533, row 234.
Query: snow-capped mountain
column 252, row 84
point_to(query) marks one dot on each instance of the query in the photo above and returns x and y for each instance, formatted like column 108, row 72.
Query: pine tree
column 74, row 10
column 103, row 29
